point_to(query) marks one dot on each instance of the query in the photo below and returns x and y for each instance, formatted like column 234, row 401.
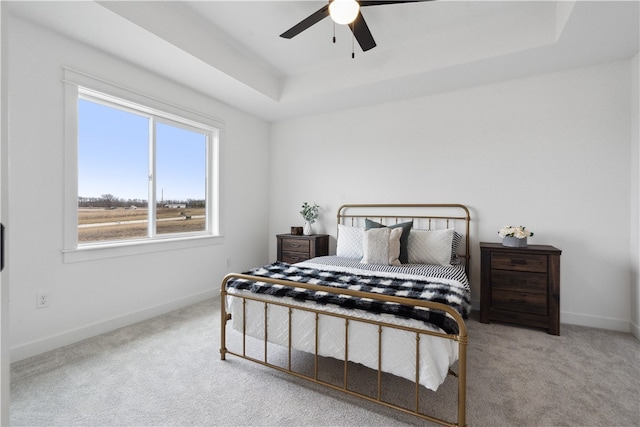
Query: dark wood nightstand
column 520, row 285
column 297, row 248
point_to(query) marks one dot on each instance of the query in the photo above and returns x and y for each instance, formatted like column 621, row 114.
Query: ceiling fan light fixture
column 344, row 11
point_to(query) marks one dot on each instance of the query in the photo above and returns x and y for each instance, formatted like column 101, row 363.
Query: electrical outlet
column 42, row 300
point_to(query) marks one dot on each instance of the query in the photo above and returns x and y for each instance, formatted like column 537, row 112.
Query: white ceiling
column 232, row 49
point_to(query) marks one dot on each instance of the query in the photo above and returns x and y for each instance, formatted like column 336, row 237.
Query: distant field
column 99, row 224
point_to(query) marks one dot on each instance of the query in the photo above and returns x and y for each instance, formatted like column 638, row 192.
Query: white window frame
column 79, row 85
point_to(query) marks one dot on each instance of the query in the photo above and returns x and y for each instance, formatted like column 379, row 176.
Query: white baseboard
column 589, row 321
column 635, row 330
column 36, row 347
column 52, row 342
column 599, row 322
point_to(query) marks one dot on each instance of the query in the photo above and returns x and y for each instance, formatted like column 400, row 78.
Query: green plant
column 309, row 212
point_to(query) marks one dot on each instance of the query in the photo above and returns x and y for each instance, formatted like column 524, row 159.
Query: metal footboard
column 461, row 339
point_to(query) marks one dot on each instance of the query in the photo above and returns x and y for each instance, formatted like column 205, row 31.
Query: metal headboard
column 424, row 216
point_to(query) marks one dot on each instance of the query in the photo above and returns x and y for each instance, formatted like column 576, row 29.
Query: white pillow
column 430, row 246
column 381, row 246
column 349, row 241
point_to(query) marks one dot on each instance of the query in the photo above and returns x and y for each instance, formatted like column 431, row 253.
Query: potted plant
column 515, row 237
column 310, row 214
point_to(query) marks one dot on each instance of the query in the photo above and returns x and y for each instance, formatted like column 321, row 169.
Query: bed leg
column 223, row 334
column 224, row 318
column 462, row 380
column 223, row 344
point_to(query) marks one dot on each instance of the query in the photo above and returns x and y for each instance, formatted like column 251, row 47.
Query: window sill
column 95, row 252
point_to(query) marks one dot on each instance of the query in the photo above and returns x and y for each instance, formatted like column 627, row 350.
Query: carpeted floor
column 167, row 372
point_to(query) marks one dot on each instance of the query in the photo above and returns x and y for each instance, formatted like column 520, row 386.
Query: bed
column 393, row 299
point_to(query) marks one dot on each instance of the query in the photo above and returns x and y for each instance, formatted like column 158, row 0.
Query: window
column 139, row 174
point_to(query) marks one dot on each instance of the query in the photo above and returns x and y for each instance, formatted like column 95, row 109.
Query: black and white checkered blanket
column 436, row 290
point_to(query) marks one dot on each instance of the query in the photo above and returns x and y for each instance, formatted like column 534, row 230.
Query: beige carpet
column 167, row 372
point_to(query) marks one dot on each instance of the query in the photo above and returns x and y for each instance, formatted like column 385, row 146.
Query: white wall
column 549, row 152
column 5, row 344
column 91, row 297
column 635, row 198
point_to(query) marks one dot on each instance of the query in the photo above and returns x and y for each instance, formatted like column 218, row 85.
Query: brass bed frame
column 352, row 214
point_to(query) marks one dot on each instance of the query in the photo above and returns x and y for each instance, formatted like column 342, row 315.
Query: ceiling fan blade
column 361, row 32
column 314, row 18
column 364, row 3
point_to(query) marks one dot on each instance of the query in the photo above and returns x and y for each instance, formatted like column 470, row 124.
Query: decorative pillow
column 381, row 246
column 431, row 246
column 349, row 241
column 404, row 240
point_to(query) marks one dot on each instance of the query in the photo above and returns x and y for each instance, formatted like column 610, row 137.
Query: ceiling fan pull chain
column 353, row 37
column 334, row 32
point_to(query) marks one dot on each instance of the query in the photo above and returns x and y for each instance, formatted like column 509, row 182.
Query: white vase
column 307, row 231
column 514, row 242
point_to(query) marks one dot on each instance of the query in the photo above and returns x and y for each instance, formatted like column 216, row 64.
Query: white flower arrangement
column 519, row 232
column 309, row 212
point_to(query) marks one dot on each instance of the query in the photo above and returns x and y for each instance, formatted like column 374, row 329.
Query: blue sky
column 113, row 152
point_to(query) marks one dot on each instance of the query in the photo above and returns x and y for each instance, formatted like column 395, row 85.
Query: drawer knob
column 294, row 245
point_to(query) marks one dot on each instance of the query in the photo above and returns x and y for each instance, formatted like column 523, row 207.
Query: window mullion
column 152, row 178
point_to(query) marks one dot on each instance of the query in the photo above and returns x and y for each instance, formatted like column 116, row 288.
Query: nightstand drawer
column 519, row 281
column 523, row 302
column 519, row 262
column 293, row 257
column 295, row 245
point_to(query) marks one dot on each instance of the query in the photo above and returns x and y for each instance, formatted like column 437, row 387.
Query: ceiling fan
column 345, row 12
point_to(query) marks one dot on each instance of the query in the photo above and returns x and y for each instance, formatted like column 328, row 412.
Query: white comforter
column 398, row 347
